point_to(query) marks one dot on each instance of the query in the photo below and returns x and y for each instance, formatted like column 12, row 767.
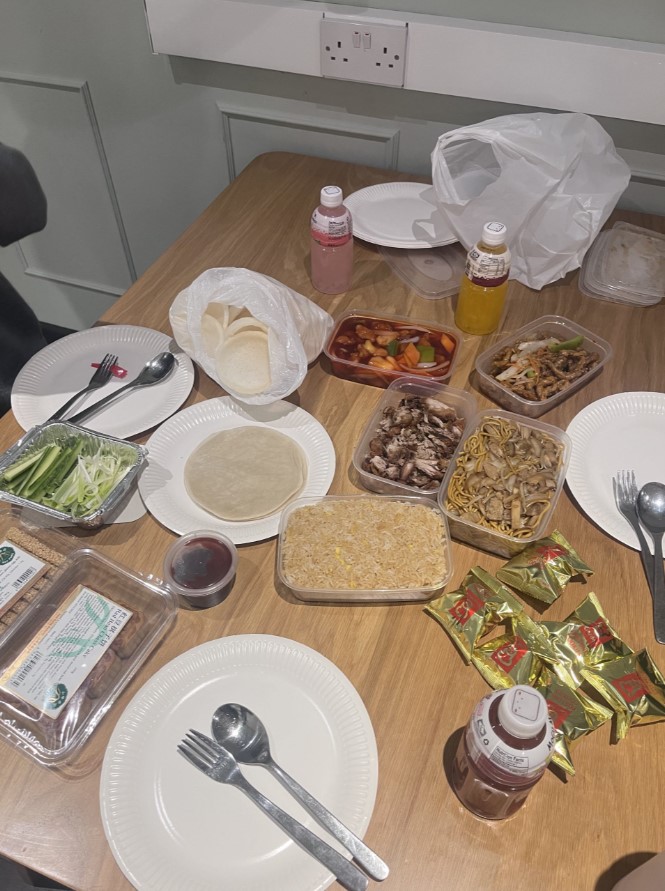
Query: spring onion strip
column 88, row 484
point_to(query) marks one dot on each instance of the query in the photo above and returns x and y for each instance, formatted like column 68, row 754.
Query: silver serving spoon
column 651, row 511
column 242, row 733
column 154, row 371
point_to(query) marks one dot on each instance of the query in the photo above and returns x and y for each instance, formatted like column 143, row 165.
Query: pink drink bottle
column 331, row 243
column 504, row 751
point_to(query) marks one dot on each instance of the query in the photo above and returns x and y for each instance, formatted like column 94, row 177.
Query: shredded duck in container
column 364, row 544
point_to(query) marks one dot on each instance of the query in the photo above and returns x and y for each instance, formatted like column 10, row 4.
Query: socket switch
column 371, row 52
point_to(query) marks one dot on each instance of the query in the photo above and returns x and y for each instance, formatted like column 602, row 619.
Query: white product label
column 66, row 649
column 331, row 231
column 513, row 762
column 18, row 570
column 485, row 267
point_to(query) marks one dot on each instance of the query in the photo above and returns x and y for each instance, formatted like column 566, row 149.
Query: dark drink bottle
column 504, row 751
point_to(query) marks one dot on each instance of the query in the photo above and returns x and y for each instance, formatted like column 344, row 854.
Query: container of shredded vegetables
column 70, row 474
column 535, row 368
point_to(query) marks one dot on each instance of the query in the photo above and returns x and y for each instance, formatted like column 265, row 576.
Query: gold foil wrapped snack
column 544, row 568
column 583, row 640
column 515, row 657
column 633, row 686
column 477, row 606
column 573, row 713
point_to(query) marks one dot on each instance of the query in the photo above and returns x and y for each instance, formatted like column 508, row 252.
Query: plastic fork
column 219, row 764
column 101, row 376
column 625, row 496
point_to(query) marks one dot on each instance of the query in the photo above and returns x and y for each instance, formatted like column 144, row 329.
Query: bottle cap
column 494, row 234
column 331, row 196
column 523, row 711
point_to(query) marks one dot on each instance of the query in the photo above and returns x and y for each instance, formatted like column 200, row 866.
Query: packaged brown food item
column 633, row 686
column 516, row 657
column 36, row 547
column 573, row 713
column 130, row 637
column 584, row 639
column 477, row 606
column 78, row 635
column 544, row 568
column 103, row 675
column 27, row 565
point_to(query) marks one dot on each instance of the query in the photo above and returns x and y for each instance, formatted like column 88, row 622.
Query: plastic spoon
column 157, row 369
column 651, row 510
column 243, row 734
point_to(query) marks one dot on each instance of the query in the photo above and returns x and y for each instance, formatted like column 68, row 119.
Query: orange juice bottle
column 484, row 283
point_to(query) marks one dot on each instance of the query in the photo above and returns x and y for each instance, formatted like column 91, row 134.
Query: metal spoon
column 651, row 510
column 242, row 733
column 157, row 369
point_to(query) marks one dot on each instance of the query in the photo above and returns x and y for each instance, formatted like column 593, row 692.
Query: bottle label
column 331, row 231
column 488, row 270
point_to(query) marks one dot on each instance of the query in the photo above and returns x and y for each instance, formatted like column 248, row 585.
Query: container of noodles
column 359, row 548
column 500, row 491
column 538, row 366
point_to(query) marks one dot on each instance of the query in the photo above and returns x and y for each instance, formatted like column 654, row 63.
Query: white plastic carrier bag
column 250, row 333
column 553, row 179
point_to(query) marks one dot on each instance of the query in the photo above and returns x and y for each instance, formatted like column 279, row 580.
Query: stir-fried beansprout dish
column 364, row 544
column 505, row 477
column 542, row 366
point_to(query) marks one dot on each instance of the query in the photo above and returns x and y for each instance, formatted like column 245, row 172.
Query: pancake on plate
column 245, row 473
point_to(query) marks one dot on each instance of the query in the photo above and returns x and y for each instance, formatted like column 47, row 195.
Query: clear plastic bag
column 297, row 328
column 553, row 179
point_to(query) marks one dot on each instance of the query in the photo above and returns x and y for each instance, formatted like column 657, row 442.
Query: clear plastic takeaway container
column 434, row 273
column 301, row 546
column 75, row 627
column 626, row 264
column 363, row 373
column 463, row 403
column 493, row 540
column 547, row 326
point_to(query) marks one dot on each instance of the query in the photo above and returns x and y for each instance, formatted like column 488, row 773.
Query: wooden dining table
column 582, row 833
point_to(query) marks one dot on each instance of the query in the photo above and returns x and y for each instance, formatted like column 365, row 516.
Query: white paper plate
column 399, row 215
column 64, row 367
column 171, row 828
column 625, row 431
column 162, row 484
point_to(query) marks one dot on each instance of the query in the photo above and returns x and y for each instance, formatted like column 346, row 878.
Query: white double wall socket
column 368, row 50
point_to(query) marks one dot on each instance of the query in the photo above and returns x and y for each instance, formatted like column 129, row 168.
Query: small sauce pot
column 201, row 567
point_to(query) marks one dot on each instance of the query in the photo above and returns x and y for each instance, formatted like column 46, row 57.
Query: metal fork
column 625, row 495
column 101, row 376
column 220, row 765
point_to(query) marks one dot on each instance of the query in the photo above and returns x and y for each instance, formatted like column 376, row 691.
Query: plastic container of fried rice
column 360, row 548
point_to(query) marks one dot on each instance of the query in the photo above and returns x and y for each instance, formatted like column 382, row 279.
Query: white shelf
column 479, row 60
